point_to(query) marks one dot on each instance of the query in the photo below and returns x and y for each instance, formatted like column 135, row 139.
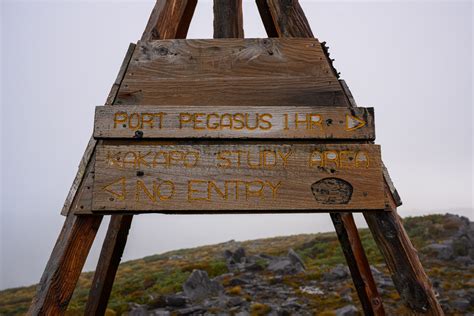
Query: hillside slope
column 265, row 276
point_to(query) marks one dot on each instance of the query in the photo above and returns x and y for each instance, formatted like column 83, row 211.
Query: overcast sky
column 412, row 61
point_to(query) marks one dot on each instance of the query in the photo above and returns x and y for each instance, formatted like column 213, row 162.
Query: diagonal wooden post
column 169, row 19
column 358, row 264
column 287, row 19
column 65, row 265
column 408, row 275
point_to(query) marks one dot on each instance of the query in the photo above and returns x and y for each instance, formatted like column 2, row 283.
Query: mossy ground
column 142, row 280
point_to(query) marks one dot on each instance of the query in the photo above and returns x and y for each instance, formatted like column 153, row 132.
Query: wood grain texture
column 402, row 260
column 358, row 264
column 65, row 264
column 228, row 22
column 230, row 71
column 160, row 176
column 80, row 175
column 121, row 74
column 169, row 19
column 287, row 18
column 109, row 260
column 234, row 122
column 82, row 203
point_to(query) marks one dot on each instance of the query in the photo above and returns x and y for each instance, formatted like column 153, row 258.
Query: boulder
column 291, row 264
column 198, row 286
column 338, row 273
column 348, row 310
column 234, row 257
column 283, row 265
column 295, row 258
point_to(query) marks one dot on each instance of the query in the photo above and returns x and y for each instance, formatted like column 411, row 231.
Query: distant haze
column 412, row 61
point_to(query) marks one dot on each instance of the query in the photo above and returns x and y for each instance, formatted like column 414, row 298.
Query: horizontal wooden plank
column 157, row 176
column 234, row 122
column 230, row 71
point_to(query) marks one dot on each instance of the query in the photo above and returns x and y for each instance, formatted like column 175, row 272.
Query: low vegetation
column 142, row 281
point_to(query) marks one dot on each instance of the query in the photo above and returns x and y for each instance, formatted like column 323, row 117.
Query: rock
column 175, row 300
column 138, row 310
column 237, row 256
column 460, row 304
column 348, row 310
column 160, row 313
column 338, row 273
column 284, row 266
column 295, row 258
column 193, row 310
column 235, row 301
column 291, row 264
column 291, row 302
column 198, row 286
column 237, row 281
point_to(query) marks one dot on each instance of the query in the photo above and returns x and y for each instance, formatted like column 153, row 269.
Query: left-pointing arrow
column 353, row 122
column 117, row 189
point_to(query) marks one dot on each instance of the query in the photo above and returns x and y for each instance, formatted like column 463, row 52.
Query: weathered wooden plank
column 109, row 260
column 402, row 260
column 65, row 264
column 121, row 74
column 161, row 176
column 228, row 22
column 234, row 122
column 286, row 72
column 358, row 264
column 169, row 19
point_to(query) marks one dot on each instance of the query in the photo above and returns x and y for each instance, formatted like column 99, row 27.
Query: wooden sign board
column 154, row 176
column 234, row 122
column 254, row 72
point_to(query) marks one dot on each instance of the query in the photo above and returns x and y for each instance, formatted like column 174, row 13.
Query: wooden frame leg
column 358, row 264
column 402, row 260
column 65, row 265
column 109, row 260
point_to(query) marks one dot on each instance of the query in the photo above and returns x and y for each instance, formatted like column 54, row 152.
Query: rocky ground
column 292, row 275
column 271, row 285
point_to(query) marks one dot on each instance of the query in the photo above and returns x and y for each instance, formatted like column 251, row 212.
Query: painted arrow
column 120, row 194
column 353, row 123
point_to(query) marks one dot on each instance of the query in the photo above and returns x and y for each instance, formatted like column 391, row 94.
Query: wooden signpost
column 231, row 125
